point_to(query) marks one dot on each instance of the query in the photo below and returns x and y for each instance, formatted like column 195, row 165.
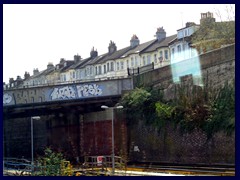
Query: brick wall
column 169, row 145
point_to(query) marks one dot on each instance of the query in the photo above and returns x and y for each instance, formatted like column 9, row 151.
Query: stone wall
column 217, row 67
column 169, row 145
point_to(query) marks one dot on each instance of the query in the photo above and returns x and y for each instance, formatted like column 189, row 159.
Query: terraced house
column 134, row 59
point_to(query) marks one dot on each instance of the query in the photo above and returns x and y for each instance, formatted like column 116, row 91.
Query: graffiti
column 7, row 98
column 68, row 92
column 63, row 93
column 89, row 90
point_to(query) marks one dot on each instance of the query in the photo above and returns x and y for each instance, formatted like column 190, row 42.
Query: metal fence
column 140, row 70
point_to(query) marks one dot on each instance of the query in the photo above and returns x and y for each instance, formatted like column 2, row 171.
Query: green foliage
column 50, row 163
column 163, row 114
column 196, row 109
column 134, row 103
column 212, row 35
column 140, row 104
column 135, row 98
column 223, row 112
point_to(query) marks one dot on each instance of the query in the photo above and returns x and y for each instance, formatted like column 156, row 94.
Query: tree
column 212, row 34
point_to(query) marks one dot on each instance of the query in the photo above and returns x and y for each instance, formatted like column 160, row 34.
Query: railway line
column 17, row 167
column 190, row 169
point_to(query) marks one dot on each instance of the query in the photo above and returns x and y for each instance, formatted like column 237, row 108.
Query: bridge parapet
column 62, row 92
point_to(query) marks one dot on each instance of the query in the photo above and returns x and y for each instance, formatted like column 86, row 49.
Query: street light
column 32, row 118
column 117, row 107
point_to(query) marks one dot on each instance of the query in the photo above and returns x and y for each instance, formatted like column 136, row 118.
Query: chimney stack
column 112, row 47
column 160, row 34
column 35, row 71
column 134, row 41
column 93, row 53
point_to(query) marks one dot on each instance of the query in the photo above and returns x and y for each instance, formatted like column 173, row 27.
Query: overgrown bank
column 198, row 126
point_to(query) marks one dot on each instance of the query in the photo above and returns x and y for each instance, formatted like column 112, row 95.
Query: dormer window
column 65, row 64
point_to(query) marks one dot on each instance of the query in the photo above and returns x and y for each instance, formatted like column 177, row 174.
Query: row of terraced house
column 116, row 63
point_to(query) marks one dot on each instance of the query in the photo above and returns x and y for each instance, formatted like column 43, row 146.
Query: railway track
column 214, row 170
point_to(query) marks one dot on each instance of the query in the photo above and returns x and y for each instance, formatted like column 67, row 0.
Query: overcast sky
column 34, row 35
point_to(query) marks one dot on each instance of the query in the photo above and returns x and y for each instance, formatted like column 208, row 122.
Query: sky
column 36, row 34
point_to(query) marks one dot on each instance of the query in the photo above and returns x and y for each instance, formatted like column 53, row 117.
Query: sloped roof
column 80, row 63
column 69, row 63
column 115, row 55
column 138, row 48
column 157, row 44
column 93, row 60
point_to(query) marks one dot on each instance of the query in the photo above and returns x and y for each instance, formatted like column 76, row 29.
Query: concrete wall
column 66, row 92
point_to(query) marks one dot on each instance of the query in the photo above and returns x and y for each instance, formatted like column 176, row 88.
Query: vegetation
column 199, row 110
column 53, row 164
column 212, row 35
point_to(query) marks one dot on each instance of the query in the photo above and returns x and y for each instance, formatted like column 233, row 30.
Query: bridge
column 46, row 99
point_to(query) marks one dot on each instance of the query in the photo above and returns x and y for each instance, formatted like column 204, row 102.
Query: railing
column 24, row 167
column 106, row 162
column 21, row 166
column 22, row 86
column 140, row 70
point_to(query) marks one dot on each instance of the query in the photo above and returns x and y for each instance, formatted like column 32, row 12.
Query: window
column 172, row 53
column 160, row 54
column 122, row 64
column 91, row 70
column 149, row 59
column 96, row 72
column 64, row 77
column 179, row 48
column 108, row 67
column 104, row 69
column 112, row 66
column 74, row 74
column 127, row 63
column 87, row 71
column 99, row 69
column 166, row 54
column 144, row 61
column 132, row 62
column 155, row 58
column 118, row 67
column 136, row 61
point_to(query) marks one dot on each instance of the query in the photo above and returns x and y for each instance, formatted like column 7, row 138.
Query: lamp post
column 32, row 118
column 113, row 156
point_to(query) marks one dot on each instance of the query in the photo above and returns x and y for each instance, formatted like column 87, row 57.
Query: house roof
column 157, row 44
column 69, row 63
column 138, row 48
column 115, row 55
column 92, row 61
column 80, row 63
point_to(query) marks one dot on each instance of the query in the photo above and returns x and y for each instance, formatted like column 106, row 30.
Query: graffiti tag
column 89, row 90
column 63, row 93
column 7, row 98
